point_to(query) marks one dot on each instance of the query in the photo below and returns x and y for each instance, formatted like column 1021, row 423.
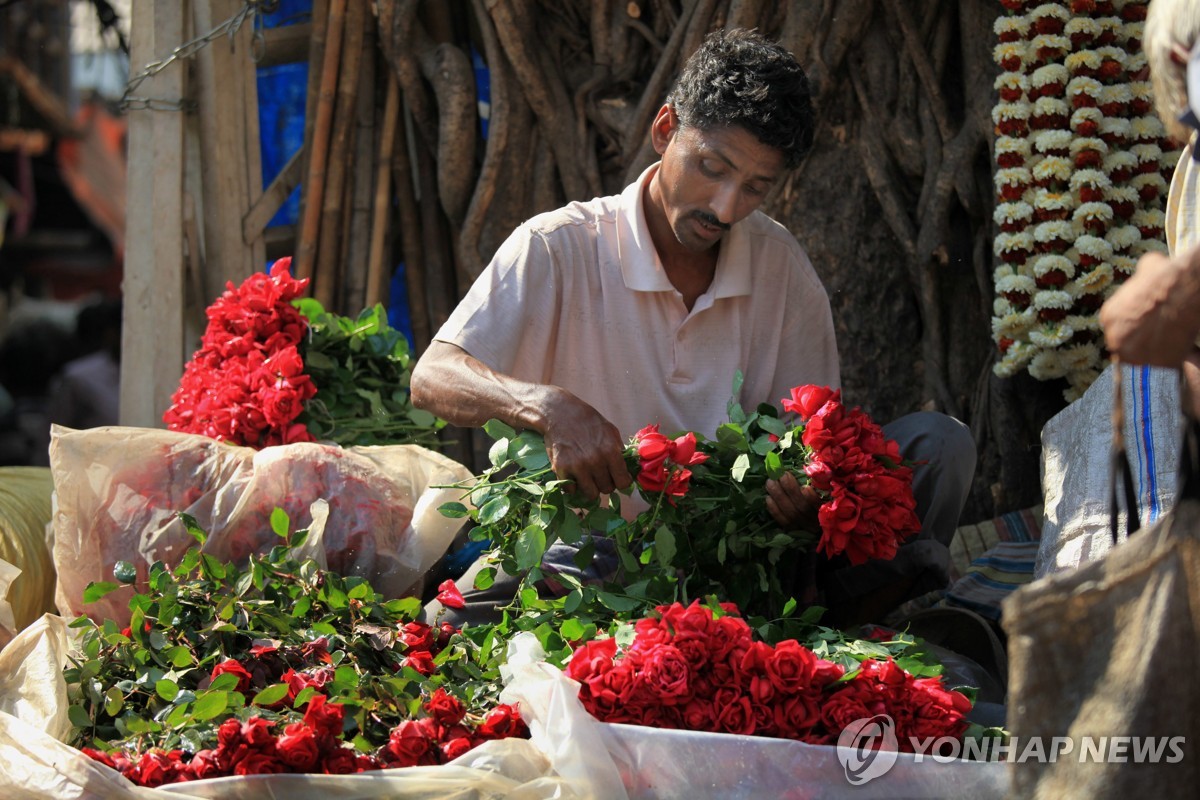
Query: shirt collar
column 641, row 268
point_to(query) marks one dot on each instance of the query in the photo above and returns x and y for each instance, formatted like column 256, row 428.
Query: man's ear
column 663, row 128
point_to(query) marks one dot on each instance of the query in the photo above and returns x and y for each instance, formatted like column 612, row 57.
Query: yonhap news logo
column 867, row 749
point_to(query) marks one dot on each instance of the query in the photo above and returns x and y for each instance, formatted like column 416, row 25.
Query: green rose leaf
column 531, row 546
column 498, row 430
column 166, row 689
column 453, row 510
column 617, row 602
column 494, row 510
column 774, row 465
column 98, row 589
column 485, row 578
column 210, row 704
column 193, row 528
column 664, row 545
column 422, row 418
column 280, row 523
column 224, row 682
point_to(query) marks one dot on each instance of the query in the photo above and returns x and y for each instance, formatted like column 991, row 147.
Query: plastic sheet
column 640, row 763
column 570, row 754
column 26, row 570
column 119, row 490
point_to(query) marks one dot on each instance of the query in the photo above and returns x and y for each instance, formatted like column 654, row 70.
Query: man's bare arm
column 583, row 445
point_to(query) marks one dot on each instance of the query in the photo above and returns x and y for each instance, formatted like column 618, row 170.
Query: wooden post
column 229, row 147
column 152, row 347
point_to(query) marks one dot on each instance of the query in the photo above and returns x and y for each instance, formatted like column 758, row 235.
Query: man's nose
column 724, row 204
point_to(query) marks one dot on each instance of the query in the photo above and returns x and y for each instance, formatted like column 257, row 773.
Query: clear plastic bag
column 119, row 491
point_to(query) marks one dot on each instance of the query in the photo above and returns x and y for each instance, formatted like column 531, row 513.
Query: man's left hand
column 792, row 505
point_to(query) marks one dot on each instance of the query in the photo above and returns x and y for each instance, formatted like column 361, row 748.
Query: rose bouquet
column 278, row 666
column 274, row 367
column 700, row 668
column 706, row 530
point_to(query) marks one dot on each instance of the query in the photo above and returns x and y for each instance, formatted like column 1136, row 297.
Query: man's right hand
column 584, row 447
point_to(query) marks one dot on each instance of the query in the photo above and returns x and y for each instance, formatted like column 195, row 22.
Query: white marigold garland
column 1082, row 171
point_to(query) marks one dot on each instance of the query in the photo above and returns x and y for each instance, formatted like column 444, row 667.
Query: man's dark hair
column 739, row 77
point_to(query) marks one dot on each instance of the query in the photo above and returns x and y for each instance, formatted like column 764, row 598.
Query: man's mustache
column 709, row 219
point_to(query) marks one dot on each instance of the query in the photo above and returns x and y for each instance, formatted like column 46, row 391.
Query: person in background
column 31, row 352
column 1154, row 318
column 605, row 316
column 86, row 392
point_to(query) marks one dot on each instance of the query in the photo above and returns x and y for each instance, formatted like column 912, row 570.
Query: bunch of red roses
column 663, row 462
column 246, row 384
column 316, row 744
column 691, row 669
column 870, row 507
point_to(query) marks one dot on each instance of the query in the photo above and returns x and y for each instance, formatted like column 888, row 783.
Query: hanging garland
column 1082, row 169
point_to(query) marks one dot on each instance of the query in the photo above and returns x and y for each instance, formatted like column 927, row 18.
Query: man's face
column 710, row 179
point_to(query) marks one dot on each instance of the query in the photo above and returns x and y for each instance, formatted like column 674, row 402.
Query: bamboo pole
column 314, row 183
column 377, row 274
column 325, row 270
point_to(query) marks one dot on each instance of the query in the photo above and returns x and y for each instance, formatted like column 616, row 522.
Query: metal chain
column 231, row 26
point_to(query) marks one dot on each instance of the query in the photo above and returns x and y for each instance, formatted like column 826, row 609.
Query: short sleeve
column 507, row 318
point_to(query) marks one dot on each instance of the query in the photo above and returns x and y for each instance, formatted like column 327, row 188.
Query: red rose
column 456, row 742
column 444, row 632
column 796, row 715
column 256, row 732
column 665, row 674
column 157, row 768
column 231, row 666
column 449, row 595
column 98, row 755
column 421, row 661
column 699, row 715
column 205, row 764
column 341, row 761
column 593, row 658
column 259, row 763
column 229, row 733
column 298, row 747
column 791, row 667
column 839, row 517
column 807, row 400
column 936, row 711
column 502, row 722
column 849, row 703
column 417, row 636
column 410, row 746
column 445, row 708
column 737, row 717
column 325, row 719
column 728, row 634
column 297, row 682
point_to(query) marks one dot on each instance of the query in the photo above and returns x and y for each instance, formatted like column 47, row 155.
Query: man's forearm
column 449, row 382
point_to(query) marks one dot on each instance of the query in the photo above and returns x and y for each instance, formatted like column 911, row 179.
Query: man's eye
column 708, row 171
column 755, row 191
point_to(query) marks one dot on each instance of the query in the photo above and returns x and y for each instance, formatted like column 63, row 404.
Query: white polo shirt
column 578, row 298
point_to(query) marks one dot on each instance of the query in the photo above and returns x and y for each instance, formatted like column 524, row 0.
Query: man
column 603, row 317
column 1154, row 318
